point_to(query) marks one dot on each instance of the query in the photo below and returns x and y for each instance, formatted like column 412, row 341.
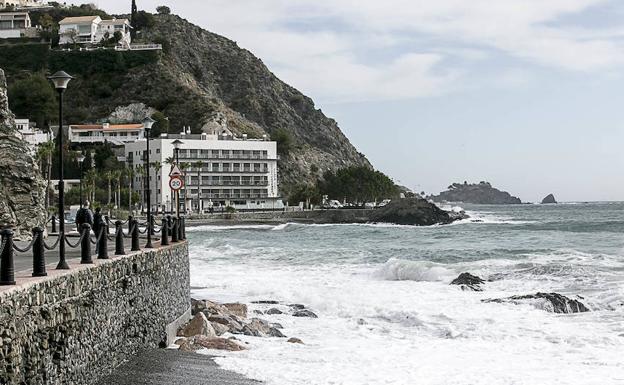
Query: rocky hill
column 21, row 190
column 202, row 78
column 549, row 199
column 481, row 193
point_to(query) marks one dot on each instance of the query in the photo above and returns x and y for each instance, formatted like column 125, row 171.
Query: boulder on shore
column 468, row 281
column 549, row 199
column 412, row 211
column 552, row 302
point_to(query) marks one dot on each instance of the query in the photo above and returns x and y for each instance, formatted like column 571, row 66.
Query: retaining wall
column 75, row 326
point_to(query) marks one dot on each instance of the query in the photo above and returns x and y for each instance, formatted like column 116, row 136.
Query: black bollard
column 183, row 229
column 86, row 257
column 53, row 224
column 119, row 239
column 7, row 270
column 175, row 233
column 129, row 224
column 180, row 229
column 103, row 245
column 136, row 245
column 170, row 225
column 164, row 233
column 39, row 264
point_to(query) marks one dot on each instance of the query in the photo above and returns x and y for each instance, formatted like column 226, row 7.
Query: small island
column 550, row 199
column 481, row 193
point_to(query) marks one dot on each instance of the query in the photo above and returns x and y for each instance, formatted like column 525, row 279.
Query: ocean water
column 387, row 314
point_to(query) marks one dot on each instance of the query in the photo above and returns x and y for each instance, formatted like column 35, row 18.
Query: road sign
column 176, row 183
column 175, row 171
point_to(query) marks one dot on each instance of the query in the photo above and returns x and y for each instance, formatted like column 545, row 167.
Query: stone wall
column 75, row 327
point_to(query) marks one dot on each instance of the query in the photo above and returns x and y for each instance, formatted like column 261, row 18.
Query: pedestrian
column 97, row 226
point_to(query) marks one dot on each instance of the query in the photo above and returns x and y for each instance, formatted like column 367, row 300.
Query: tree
column 162, row 124
column 133, row 17
column 163, row 10
column 358, row 184
column 44, row 154
column 284, row 141
column 33, row 98
column 142, row 20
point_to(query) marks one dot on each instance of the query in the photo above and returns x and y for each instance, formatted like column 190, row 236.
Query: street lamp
column 147, row 124
column 60, row 80
column 80, row 160
column 176, row 145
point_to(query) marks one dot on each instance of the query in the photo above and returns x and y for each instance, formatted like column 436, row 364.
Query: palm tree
column 140, row 170
column 109, row 175
column 44, row 153
column 90, row 179
column 198, row 166
column 117, row 174
column 157, row 167
column 127, row 171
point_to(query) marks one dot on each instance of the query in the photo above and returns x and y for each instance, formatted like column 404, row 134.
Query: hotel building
column 219, row 170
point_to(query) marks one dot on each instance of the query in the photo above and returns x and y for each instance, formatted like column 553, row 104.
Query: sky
column 525, row 94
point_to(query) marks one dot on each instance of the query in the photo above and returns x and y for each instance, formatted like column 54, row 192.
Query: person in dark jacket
column 97, row 225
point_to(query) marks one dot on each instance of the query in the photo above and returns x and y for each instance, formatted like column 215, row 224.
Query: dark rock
column 294, row 340
column 482, row 193
column 468, row 282
column 259, row 312
column 554, row 302
column 304, row 313
column 273, row 311
column 274, row 332
column 22, row 190
column 411, row 211
column 550, row 199
column 197, row 306
column 266, row 302
column 277, row 325
column 297, row 306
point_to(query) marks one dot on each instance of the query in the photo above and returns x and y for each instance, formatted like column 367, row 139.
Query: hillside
column 481, row 193
column 201, row 77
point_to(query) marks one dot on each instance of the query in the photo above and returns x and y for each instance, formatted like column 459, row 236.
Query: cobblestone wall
column 74, row 328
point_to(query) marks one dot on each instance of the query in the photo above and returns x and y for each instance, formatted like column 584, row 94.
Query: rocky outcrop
column 468, row 281
column 22, row 191
column 550, row 199
column 481, row 193
column 411, row 211
column 552, row 302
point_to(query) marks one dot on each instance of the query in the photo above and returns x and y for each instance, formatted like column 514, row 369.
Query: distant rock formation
column 22, row 191
column 481, row 193
column 549, row 199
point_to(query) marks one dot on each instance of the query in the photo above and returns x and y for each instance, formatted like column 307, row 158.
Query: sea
column 386, row 311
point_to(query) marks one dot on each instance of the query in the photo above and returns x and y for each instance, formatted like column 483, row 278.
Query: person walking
column 97, row 225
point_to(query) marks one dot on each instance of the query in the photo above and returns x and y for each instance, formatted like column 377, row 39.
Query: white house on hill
column 92, row 29
column 14, row 24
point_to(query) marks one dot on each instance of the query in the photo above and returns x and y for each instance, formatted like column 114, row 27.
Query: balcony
column 233, row 196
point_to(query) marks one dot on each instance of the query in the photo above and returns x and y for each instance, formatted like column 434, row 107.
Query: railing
column 139, row 47
column 227, row 157
column 234, row 196
column 230, row 184
column 171, row 227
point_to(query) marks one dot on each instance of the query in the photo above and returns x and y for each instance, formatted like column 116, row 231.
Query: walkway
column 172, row 367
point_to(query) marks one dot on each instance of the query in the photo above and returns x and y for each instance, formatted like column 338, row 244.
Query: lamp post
column 176, row 145
column 147, row 124
column 81, row 159
column 61, row 80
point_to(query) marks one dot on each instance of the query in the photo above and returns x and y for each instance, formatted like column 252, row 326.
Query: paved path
column 172, row 367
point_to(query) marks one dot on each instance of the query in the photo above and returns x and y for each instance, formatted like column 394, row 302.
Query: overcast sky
column 526, row 94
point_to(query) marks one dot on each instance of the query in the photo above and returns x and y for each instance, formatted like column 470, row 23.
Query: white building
column 14, row 24
column 92, row 29
column 30, row 134
column 220, row 171
column 116, row 134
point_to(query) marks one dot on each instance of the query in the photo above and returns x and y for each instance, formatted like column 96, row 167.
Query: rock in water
column 549, row 199
column 468, row 282
column 552, row 302
column 411, row 211
column 22, row 190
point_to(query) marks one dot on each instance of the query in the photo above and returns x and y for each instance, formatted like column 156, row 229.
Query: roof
column 116, row 21
column 101, row 127
column 78, row 20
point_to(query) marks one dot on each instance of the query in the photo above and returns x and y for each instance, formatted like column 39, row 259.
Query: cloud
column 352, row 50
